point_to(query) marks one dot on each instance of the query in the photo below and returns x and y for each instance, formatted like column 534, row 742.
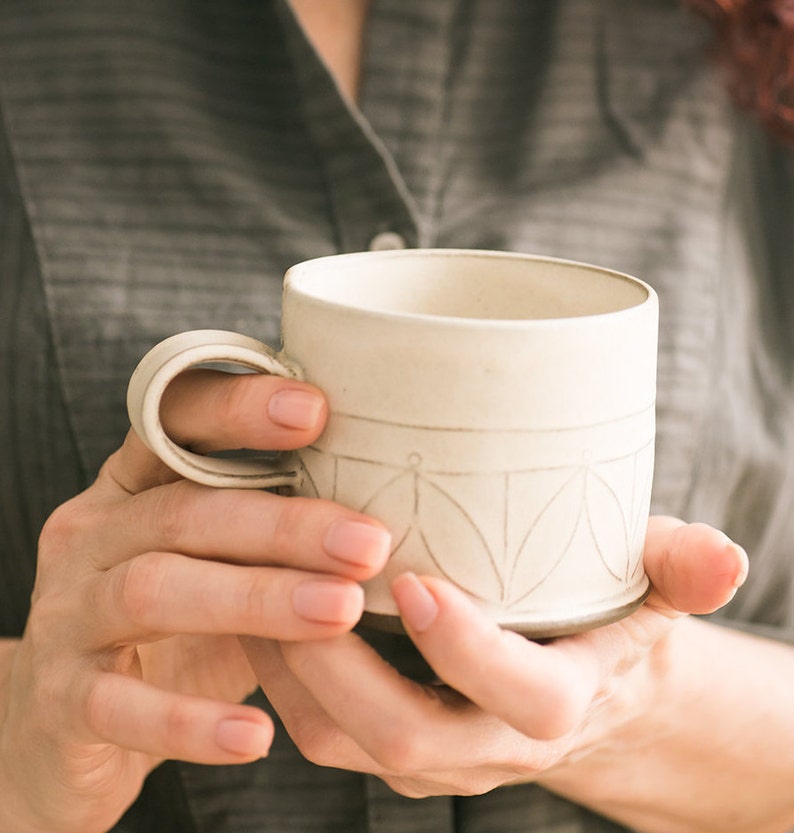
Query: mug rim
column 306, row 268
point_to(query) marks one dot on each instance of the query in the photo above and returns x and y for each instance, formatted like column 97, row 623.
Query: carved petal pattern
column 318, row 473
column 548, row 540
column 607, row 524
column 395, row 505
column 434, row 504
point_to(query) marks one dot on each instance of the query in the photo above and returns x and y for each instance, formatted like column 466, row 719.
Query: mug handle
column 166, row 360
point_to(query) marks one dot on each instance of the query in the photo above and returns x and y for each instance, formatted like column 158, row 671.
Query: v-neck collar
column 359, row 168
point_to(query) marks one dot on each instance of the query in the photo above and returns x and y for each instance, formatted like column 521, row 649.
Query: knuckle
column 179, row 721
column 319, row 744
column 174, row 513
column 241, row 403
column 256, row 605
column 403, row 752
column 410, row 788
column 290, row 522
column 65, row 527
column 48, row 615
column 98, row 706
column 141, row 588
column 460, row 783
column 567, row 706
column 555, row 724
column 74, row 543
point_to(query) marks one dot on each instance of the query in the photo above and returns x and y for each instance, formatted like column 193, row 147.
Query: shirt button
column 387, row 240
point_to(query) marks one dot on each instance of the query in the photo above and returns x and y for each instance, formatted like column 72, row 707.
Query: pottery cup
column 494, row 410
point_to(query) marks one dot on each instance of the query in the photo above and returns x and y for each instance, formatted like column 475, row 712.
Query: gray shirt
column 163, row 162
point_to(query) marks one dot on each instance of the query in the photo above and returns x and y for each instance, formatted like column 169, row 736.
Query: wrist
column 715, row 718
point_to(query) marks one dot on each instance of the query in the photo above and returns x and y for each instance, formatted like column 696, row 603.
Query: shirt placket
column 412, row 51
column 369, row 201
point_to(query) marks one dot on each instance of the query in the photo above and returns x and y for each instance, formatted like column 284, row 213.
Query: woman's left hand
column 508, row 709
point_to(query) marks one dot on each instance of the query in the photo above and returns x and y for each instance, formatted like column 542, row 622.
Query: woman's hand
column 130, row 654
column 508, row 709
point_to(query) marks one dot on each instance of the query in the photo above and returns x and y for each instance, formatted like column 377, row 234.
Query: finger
column 320, row 739
column 159, row 594
column 546, row 691
column 542, row 692
column 129, row 713
column 417, row 739
column 242, row 526
column 693, row 568
column 210, row 410
column 131, row 469
column 401, row 725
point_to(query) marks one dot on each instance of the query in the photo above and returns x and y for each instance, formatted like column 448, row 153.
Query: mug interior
column 452, row 283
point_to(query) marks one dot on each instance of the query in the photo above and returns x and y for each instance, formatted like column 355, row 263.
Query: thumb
column 693, row 568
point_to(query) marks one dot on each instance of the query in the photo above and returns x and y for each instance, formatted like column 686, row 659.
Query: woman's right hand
column 130, row 655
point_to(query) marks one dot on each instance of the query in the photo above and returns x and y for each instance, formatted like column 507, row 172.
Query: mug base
column 549, row 629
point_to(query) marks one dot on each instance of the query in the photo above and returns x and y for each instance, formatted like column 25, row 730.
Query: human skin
column 131, row 655
column 662, row 722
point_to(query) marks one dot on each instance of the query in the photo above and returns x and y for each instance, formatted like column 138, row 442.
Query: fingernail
column 357, row 542
column 328, row 602
column 293, row 408
column 417, row 604
column 243, row 737
column 744, row 567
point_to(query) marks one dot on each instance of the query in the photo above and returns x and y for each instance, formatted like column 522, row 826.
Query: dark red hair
column 755, row 45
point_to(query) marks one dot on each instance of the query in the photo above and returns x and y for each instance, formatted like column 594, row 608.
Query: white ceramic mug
column 494, row 410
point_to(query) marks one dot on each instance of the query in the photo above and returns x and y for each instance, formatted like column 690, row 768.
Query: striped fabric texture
column 162, row 162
